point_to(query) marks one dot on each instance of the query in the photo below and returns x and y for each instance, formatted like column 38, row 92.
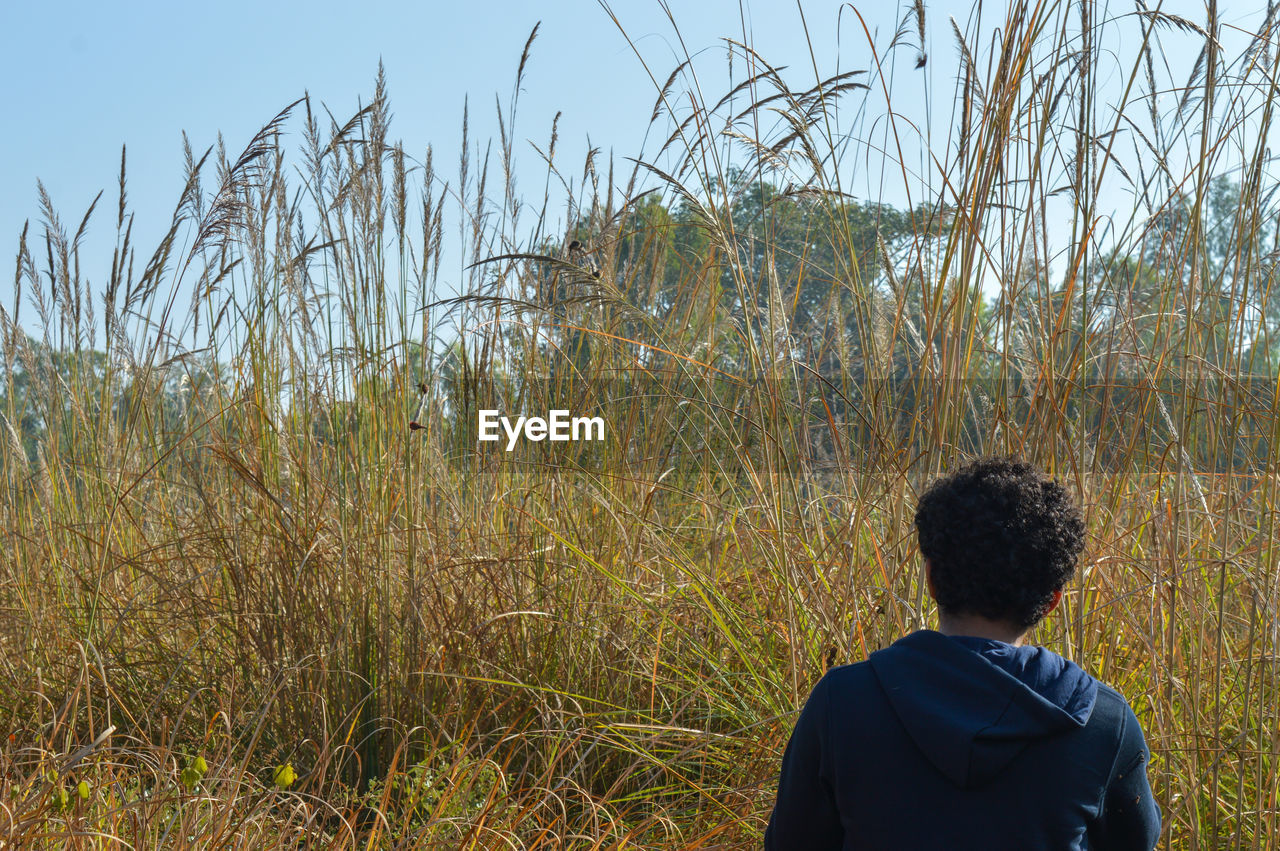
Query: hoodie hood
column 972, row 704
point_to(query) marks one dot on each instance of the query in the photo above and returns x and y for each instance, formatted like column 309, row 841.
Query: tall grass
column 247, row 519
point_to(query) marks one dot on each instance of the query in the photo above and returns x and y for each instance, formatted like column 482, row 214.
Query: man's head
column 1001, row 540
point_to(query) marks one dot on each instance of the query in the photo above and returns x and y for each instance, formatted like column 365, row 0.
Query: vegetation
column 261, row 585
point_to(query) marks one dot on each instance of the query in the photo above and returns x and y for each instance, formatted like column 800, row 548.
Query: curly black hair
column 1001, row 538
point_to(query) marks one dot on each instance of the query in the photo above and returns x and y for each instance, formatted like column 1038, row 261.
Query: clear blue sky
column 84, row 78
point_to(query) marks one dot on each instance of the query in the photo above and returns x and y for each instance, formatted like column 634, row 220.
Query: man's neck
column 980, row 627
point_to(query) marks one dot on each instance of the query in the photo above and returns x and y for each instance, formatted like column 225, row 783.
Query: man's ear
column 1053, row 604
column 928, row 578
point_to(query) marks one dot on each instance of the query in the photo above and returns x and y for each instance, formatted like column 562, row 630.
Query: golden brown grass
column 224, row 541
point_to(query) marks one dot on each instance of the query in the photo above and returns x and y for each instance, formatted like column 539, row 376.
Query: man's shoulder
column 1112, row 711
column 1107, row 692
column 842, row 679
column 1113, row 699
column 862, row 674
column 849, row 671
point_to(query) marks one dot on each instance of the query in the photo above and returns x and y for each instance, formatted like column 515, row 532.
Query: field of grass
column 261, row 586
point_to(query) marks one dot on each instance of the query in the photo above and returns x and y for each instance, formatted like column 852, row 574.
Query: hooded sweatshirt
column 949, row 743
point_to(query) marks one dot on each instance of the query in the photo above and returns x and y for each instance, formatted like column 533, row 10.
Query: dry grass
column 223, row 539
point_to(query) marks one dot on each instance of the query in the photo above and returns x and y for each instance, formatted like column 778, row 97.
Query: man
column 964, row 737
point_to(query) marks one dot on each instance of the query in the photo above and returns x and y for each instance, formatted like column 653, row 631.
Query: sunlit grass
column 228, row 553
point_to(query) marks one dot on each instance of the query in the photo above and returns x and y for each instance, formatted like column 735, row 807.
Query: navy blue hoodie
column 945, row 744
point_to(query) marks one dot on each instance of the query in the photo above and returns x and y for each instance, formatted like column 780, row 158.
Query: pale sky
column 84, row 78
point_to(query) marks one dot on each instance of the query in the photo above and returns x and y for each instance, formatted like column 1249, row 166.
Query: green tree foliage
column 807, row 270
column 37, row 399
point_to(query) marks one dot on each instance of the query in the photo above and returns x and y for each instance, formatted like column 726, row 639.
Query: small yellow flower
column 284, row 775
